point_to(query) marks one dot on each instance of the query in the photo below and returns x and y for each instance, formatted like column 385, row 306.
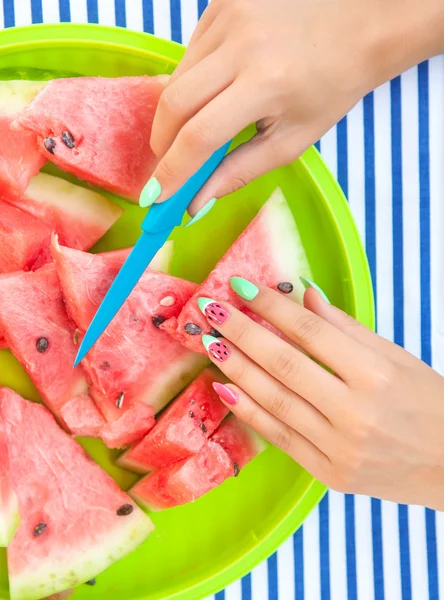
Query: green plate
column 200, row 548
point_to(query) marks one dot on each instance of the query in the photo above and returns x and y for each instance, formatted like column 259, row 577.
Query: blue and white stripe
column 388, row 155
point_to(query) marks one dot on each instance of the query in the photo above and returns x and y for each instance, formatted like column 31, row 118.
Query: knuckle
column 197, row 134
column 283, row 363
column 240, row 333
column 164, row 172
column 237, row 375
column 279, row 406
column 283, row 438
column 306, row 327
column 382, row 376
column 171, row 102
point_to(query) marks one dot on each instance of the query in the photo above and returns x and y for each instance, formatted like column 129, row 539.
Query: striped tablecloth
column 388, row 155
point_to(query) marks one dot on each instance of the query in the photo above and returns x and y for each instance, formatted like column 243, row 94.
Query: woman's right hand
column 292, row 67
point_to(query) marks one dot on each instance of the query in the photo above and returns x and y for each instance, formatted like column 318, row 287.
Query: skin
column 292, row 67
column 372, row 425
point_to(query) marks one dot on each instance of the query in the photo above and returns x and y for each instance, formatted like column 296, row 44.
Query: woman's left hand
column 374, row 425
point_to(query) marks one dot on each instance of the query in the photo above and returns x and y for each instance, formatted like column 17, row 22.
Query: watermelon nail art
column 213, row 310
column 216, row 348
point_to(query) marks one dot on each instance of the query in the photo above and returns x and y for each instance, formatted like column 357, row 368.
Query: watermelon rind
column 9, row 520
column 16, row 94
column 69, row 571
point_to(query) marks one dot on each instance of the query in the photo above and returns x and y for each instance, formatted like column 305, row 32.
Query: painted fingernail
column 225, row 393
column 150, row 193
column 244, row 288
column 216, row 348
column 202, row 212
column 213, row 310
column 307, row 283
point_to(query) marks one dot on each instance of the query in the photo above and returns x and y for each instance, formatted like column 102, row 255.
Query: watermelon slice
column 269, row 252
column 9, row 512
column 133, row 361
column 79, row 216
column 19, row 156
column 133, row 425
column 182, row 429
column 223, row 455
column 24, row 240
column 76, row 521
column 99, row 129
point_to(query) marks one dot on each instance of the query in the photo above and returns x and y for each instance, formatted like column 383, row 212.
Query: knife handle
column 169, row 214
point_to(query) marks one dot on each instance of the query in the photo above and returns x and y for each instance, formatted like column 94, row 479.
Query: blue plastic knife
column 157, row 226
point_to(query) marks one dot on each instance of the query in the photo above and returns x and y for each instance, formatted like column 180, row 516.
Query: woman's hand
column 292, row 67
column 374, row 425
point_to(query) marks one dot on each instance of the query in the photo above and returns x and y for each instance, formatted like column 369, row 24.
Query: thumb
column 243, row 165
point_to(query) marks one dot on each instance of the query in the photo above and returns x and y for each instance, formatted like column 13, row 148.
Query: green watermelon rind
column 37, row 583
column 16, row 94
column 9, row 521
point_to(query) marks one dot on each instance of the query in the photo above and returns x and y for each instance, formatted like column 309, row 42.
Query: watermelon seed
column 125, row 510
column 119, row 401
column 202, row 426
column 157, row 321
column 193, row 329
column 285, row 287
column 39, row 529
column 49, row 144
column 91, row 582
column 42, row 345
column 191, row 414
column 105, row 365
column 236, row 469
column 168, row 301
column 68, row 139
column 215, row 333
column 76, row 336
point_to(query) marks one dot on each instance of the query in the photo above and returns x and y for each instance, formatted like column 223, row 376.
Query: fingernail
column 213, row 310
column 225, row 393
column 202, row 212
column 150, row 193
column 244, row 288
column 307, row 283
column 215, row 348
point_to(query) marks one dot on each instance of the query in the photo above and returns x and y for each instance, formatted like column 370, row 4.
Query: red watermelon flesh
column 133, row 360
column 97, row 128
column 82, row 417
column 268, row 252
column 9, row 512
column 40, row 334
column 184, row 481
column 133, row 425
column 239, row 441
column 20, row 158
column 182, row 429
column 24, row 240
column 76, row 521
column 79, row 216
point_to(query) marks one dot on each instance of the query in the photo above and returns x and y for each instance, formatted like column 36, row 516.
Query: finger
column 186, row 96
column 274, row 397
column 263, row 153
column 324, row 342
column 277, row 433
column 282, row 361
column 213, row 126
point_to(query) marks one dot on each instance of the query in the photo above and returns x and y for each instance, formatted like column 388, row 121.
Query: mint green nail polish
column 150, row 193
column 202, row 212
column 202, row 303
column 244, row 288
column 207, row 340
column 308, row 283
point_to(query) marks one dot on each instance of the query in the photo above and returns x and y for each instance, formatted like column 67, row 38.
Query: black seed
column 215, row 333
column 191, row 414
column 76, row 336
column 91, row 582
column 68, row 139
column 125, row 510
column 202, row 426
column 236, row 469
column 49, row 144
column 39, row 529
column 105, row 365
column 42, row 344
column 193, row 329
column 157, row 321
column 285, row 287
column 120, row 398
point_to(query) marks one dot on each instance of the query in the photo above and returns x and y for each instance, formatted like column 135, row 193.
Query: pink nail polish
column 216, row 312
column 225, row 393
column 216, row 348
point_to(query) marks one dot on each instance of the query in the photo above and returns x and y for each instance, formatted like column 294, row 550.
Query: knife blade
column 157, row 226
